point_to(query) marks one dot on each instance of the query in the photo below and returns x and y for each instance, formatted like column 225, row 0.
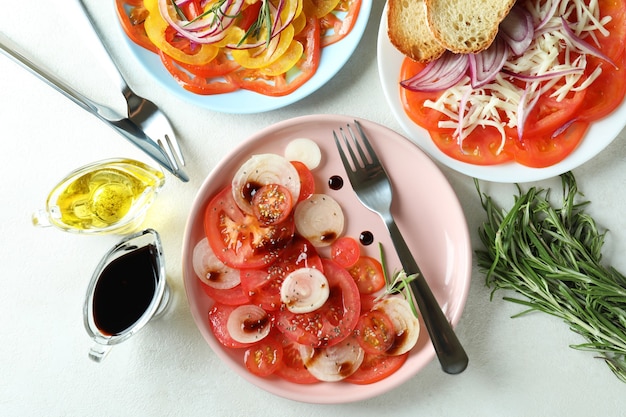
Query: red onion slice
column 440, row 74
column 485, row 66
column 583, row 46
column 517, row 30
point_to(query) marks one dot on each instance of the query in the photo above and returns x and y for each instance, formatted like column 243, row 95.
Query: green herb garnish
column 398, row 283
column 264, row 20
column 552, row 257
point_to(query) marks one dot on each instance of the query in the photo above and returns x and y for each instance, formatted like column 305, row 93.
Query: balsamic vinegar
column 125, row 289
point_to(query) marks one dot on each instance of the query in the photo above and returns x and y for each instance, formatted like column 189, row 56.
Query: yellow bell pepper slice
column 156, row 27
column 262, row 56
column 319, row 8
column 286, row 62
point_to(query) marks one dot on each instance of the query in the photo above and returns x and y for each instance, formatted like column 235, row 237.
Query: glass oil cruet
column 109, row 196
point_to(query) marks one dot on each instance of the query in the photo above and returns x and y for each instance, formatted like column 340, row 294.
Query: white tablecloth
column 518, row 367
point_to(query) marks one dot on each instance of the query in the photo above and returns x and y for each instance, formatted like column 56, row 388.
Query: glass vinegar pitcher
column 109, row 196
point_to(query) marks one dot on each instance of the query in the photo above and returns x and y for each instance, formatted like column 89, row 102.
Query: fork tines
column 367, row 156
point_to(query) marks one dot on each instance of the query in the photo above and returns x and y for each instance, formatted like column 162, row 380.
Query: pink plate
column 426, row 210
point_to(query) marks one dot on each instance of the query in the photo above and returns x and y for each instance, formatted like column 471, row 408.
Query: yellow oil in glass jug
column 110, row 196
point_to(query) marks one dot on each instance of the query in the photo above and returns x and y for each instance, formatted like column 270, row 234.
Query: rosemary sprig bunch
column 552, row 257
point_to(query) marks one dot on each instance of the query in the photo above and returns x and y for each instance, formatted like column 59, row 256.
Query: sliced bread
column 466, row 26
column 408, row 30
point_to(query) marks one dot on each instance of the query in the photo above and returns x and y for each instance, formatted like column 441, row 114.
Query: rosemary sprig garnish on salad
column 551, row 256
column 398, row 283
column 263, row 21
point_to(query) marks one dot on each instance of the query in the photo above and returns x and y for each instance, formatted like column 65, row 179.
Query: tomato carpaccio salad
column 298, row 314
column 555, row 67
column 271, row 47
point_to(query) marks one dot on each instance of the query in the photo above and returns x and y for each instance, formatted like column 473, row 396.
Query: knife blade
column 123, row 126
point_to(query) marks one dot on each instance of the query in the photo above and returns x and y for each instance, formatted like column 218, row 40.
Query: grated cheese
column 500, row 102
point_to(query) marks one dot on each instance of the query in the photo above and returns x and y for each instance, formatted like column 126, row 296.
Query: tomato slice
column 376, row 367
column 189, row 76
column 262, row 286
column 368, row 275
column 345, row 251
column 264, row 357
column 307, row 180
column 549, row 115
column 607, row 91
column 218, row 319
column 232, row 296
column 337, row 24
column 331, row 323
column 272, row 204
column 292, row 367
column 613, row 45
column 375, row 332
column 238, row 239
column 481, row 147
column 543, row 151
column 132, row 14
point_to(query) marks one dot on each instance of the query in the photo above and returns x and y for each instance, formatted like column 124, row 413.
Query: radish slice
column 211, row 270
column 261, row 170
column 319, row 219
column 304, row 290
column 406, row 325
column 304, row 150
column 248, row 324
column 333, row 363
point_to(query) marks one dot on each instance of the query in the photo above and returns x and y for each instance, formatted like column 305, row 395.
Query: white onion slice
column 304, row 150
column 319, row 219
column 263, row 169
column 211, row 270
column 333, row 363
column 304, row 290
column 406, row 325
column 248, row 323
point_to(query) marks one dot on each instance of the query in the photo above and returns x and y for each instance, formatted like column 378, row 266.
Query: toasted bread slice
column 466, row 26
column 408, row 30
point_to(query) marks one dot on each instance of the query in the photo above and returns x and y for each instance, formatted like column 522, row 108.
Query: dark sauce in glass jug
column 125, row 289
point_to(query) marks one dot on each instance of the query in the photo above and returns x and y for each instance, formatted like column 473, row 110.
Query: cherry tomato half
column 307, row 180
column 264, row 357
column 374, row 332
column 272, row 204
column 345, row 251
column 368, row 275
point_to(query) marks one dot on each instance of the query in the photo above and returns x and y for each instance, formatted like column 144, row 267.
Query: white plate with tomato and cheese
column 538, row 155
column 425, row 207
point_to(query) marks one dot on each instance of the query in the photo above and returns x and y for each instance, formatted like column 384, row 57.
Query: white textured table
column 518, row 367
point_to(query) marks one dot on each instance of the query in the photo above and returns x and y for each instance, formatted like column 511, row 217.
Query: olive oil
column 105, row 197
